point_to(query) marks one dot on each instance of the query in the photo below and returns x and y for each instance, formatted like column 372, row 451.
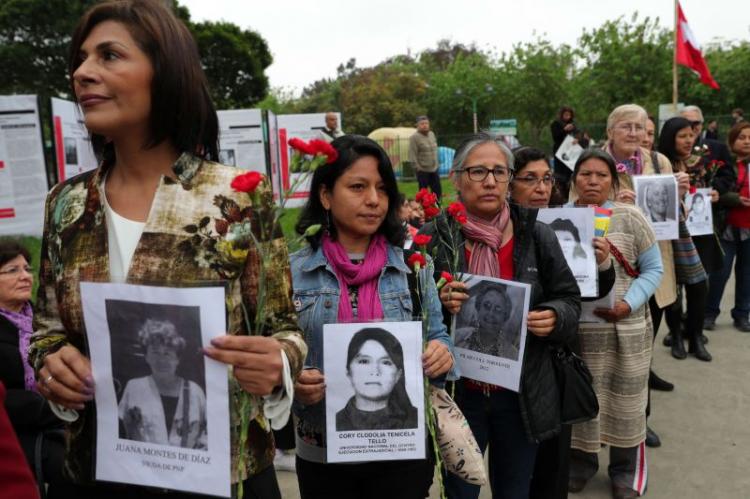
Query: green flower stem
column 429, row 411
column 245, row 402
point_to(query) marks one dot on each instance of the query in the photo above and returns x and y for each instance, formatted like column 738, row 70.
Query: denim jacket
column 316, row 298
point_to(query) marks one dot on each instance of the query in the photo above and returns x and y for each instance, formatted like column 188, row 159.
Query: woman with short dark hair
column 155, row 211
column 32, row 419
column 505, row 241
column 733, row 228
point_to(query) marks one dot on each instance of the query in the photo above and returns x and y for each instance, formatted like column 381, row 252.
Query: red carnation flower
column 446, row 275
column 456, row 208
column 319, row 146
column 301, row 146
column 421, row 194
column 431, row 212
column 458, row 211
column 429, row 199
column 417, row 261
column 247, row 182
column 422, row 239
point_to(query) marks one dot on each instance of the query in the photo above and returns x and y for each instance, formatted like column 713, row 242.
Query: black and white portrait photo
column 699, row 215
column 375, row 368
column 492, row 325
column 162, row 406
column 490, row 330
column 374, row 395
column 226, row 157
column 71, row 151
column 158, row 373
column 656, row 196
column 575, row 229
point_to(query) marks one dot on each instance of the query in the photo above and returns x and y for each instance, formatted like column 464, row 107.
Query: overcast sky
column 309, row 39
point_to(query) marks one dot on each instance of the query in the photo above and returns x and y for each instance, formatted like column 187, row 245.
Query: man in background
column 716, row 150
column 423, row 155
column 331, row 130
column 738, row 114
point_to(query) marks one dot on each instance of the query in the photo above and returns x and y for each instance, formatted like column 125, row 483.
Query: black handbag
column 578, row 402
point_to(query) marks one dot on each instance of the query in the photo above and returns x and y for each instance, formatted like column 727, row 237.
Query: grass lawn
column 288, row 220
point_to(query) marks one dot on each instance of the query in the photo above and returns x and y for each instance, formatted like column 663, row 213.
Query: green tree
column 385, row 95
column 623, row 62
column 452, row 92
column 34, row 40
column 535, row 83
column 235, row 61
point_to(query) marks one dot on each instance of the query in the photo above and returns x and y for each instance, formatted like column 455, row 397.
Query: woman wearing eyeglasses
column 505, row 241
column 532, row 187
column 36, row 426
column 626, row 129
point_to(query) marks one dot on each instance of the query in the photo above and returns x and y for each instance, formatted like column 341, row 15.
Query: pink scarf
column 487, row 236
column 364, row 275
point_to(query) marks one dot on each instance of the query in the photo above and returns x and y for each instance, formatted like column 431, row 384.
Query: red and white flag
column 689, row 51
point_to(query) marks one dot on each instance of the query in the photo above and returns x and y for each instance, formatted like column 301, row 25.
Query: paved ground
column 704, row 424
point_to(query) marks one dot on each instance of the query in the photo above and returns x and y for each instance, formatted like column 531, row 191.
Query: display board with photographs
column 574, row 228
column 374, row 391
column 656, row 196
column 162, row 407
column 489, row 333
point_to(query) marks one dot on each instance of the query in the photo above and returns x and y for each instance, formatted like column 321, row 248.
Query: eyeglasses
column 16, row 271
column 630, row 127
column 532, row 181
column 696, row 123
column 479, row 173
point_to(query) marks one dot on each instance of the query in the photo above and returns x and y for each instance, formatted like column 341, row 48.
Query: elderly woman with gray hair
column 163, row 408
column 626, row 129
column 505, row 241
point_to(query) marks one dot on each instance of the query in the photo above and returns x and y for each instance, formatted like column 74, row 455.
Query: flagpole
column 674, row 59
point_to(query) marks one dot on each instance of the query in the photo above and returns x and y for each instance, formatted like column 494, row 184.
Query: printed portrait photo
column 490, row 321
column 657, row 198
column 71, row 151
column 375, row 369
column 158, row 372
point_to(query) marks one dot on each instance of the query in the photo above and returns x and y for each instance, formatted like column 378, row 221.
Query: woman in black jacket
column 505, row 241
column 33, row 421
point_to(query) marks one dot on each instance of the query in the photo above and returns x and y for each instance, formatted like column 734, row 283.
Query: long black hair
column 398, row 401
column 350, row 149
column 668, row 135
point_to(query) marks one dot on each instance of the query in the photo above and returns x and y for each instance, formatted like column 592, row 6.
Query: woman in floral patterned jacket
column 158, row 210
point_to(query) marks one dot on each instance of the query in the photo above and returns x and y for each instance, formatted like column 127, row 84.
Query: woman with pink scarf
column 354, row 270
column 505, row 241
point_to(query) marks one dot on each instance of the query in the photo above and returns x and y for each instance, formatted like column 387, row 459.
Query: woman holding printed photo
column 354, row 271
column 622, row 344
column 505, row 241
column 136, row 72
column 531, row 187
